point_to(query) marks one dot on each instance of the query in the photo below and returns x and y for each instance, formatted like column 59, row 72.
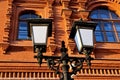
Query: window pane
column 24, row 16
column 114, row 16
column 98, row 27
column 23, row 32
column 103, row 14
column 29, row 15
column 22, row 35
column 119, row 35
column 99, row 36
column 22, row 25
column 94, row 16
column 108, row 26
column 117, row 25
column 110, row 36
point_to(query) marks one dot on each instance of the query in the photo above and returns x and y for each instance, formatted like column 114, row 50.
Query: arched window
column 22, row 31
column 108, row 29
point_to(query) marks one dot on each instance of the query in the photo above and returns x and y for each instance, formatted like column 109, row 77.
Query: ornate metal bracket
column 56, row 62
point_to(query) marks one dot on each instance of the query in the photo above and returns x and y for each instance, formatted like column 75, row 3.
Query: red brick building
column 16, row 51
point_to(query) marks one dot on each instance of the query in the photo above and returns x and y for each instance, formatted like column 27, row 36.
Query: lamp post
column 41, row 29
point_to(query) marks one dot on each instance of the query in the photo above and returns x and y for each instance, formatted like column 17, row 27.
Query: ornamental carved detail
column 5, row 43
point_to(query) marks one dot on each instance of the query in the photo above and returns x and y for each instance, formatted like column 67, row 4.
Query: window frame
column 111, row 20
column 29, row 13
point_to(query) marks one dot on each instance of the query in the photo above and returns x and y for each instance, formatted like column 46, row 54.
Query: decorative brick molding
column 5, row 43
column 112, row 4
column 52, row 45
column 38, row 73
column 30, row 73
column 8, row 22
column 114, row 1
column 102, row 72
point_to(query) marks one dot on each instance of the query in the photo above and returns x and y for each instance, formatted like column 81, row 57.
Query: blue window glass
column 110, row 37
column 103, row 14
column 25, row 16
column 22, row 31
column 28, row 15
column 99, row 36
column 108, row 25
column 114, row 16
column 119, row 35
column 98, row 27
column 94, row 14
column 117, row 25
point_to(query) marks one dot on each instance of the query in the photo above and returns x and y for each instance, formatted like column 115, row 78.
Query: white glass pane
column 77, row 41
column 39, row 34
column 87, row 36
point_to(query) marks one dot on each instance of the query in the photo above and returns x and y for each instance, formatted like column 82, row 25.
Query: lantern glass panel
column 39, row 35
column 78, row 41
column 86, row 36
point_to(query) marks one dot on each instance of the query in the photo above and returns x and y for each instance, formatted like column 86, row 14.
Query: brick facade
column 17, row 58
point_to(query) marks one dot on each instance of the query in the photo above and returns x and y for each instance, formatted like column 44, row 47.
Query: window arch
column 23, row 31
column 108, row 28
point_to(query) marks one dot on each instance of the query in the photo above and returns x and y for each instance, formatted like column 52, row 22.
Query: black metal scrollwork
column 62, row 64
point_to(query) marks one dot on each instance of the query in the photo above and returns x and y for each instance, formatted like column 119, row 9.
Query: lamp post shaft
column 65, row 60
column 65, row 68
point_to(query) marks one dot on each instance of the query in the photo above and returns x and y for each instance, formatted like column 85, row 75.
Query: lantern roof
column 41, row 21
column 82, row 24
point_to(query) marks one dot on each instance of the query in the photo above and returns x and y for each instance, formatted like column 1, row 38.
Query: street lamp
column 82, row 33
column 41, row 29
